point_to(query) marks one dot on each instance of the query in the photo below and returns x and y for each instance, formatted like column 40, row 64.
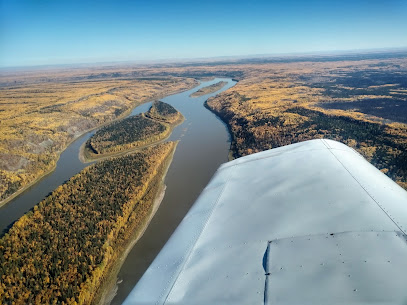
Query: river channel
column 204, row 145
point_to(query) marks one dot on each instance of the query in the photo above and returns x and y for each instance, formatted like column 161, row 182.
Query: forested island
column 61, row 252
column 164, row 112
column 360, row 101
column 209, row 89
column 42, row 112
column 133, row 132
column 39, row 121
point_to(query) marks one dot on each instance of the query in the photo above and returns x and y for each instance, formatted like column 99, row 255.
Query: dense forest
column 360, row 102
column 41, row 112
column 385, row 146
column 60, row 252
column 164, row 112
column 378, row 93
column 386, row 150
column 134, row 131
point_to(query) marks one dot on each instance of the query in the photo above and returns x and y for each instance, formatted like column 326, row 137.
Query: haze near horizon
column 66, row 32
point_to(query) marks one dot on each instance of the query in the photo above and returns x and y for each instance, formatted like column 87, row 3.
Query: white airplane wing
column 308, row 223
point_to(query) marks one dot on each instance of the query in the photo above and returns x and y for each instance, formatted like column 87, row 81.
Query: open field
column 41, row 112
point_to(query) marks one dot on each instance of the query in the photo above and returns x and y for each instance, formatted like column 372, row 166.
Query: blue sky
column 41, row 32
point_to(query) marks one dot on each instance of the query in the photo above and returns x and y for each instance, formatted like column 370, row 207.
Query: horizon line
column 185, row 60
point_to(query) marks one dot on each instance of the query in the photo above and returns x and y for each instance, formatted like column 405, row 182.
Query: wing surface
column 308, row 223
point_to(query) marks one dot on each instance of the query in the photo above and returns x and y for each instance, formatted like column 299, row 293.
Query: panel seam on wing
column 367, row 192
column 326, row 144
column 193, row 244
column 324, row 141
column 267, row 273
column 332, row 233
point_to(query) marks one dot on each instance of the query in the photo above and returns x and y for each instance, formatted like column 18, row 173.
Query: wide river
column 204, row 145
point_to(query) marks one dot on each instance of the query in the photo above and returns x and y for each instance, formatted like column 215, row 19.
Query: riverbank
column 154, row 195
column 204, row 138
column 82, row 134
column 113, row 200
column 203, row 148
column 108, row 290
column 222, row 118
